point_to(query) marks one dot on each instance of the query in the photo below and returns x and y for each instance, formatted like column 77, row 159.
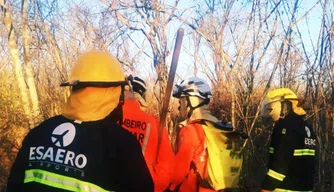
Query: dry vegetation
column 243, row 48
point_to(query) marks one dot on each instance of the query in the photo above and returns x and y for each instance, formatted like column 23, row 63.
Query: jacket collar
column 200, row 113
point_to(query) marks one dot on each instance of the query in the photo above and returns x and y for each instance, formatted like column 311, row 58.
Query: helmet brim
column 94, row 83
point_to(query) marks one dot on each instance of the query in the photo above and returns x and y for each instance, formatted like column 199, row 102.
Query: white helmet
column 193, row 86
column 137, row 84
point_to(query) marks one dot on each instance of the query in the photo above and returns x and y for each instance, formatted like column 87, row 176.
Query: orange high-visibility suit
column 145, row 128
column 191, row 148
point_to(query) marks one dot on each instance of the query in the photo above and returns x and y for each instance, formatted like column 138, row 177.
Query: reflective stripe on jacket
column 59, row 181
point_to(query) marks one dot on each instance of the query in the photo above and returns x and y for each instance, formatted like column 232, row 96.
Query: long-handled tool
column 170, row 82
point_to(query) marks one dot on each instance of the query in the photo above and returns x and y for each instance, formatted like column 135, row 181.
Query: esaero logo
column 62, row 136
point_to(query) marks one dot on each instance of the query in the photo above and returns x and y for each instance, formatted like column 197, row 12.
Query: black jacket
column 66, row 155
column 291, row 163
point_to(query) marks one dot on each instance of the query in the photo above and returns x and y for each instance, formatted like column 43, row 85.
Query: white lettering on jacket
column 310, row 141
column 58, row 155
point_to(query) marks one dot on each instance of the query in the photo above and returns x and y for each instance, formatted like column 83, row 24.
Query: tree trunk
column 14, row 53
column 29, row 72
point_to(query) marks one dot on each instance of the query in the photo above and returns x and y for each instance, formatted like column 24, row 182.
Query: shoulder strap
column 201, row 182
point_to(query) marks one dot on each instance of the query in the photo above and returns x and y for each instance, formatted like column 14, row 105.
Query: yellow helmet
column 282, row 94
column 96, row 68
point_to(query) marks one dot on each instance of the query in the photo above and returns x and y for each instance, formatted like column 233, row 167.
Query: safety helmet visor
column 178, row 91
column 271, row 110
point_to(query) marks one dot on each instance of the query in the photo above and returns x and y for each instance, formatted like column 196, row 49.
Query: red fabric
column 190, row 148
column 138, row 122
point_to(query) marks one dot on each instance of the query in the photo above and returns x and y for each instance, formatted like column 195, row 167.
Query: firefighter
column 291, row 162
column 145, row 128
column 84, row 149
column 138, row 87
column 194, row 96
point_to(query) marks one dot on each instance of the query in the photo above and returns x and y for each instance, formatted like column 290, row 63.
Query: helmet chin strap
column 117, row 114
column 205, row 102
column 120, row 105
